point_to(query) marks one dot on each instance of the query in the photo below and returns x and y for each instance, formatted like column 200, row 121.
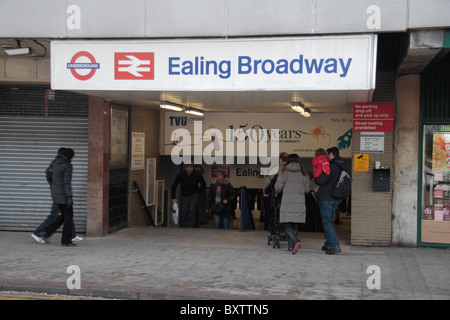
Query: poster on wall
column 137, row 150
column 150, row 181
column 119, row 138
column 225, row 133
column 441, row 151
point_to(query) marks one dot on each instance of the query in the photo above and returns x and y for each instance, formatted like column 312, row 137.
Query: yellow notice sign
column 361, row 162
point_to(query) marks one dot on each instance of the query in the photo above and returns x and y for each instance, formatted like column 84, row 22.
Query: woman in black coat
column 220, row 201
column 62, row 196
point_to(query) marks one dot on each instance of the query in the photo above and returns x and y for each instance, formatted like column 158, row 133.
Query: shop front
column 434, row 194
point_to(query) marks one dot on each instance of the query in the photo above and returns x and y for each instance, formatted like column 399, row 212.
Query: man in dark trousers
column 55, row 209
column 62, row 195
column 327, row 203
column 192, row 183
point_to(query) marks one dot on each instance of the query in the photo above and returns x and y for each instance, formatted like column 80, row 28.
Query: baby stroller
column 276, row 234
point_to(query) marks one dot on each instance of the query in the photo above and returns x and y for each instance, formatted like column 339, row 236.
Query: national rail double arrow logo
column 134, row 65
column 77, row 64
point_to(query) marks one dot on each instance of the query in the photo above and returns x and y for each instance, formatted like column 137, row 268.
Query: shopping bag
column 175, row 213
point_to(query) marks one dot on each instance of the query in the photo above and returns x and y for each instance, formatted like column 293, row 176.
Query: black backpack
column 343, row 186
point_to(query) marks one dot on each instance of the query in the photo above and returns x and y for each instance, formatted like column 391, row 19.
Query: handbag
column 218, row 208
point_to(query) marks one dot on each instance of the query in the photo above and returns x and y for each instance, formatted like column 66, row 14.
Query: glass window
column 436, row 185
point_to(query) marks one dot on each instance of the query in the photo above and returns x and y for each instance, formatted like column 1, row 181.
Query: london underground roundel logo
column 81, row 62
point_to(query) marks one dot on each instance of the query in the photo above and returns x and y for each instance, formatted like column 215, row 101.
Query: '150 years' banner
column 295, row 134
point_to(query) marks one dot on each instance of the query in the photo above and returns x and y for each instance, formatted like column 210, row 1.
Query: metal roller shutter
column 27, row 146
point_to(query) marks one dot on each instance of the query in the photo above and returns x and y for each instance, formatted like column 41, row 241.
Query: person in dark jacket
column 61, row 189
column 220, row 201
column 192, row 183
column 54, row 211
column 327, row 203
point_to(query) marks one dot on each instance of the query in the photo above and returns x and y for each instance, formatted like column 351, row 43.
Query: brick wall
column 372, row 210
column 144, row 120
column 41, row 101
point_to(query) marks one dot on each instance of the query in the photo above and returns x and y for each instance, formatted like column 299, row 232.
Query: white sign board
column 137, row 151
column 297, row 134
column 306, row 63
column 372, row 142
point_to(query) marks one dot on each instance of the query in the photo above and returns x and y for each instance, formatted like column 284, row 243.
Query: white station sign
column 307, row 63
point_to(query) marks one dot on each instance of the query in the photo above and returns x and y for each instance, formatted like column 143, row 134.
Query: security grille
column 27, row 146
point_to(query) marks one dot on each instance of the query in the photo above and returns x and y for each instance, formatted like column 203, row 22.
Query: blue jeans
column 327, row 210
column 221, row 222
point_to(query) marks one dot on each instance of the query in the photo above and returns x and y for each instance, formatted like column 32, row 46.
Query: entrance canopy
column 325, row 74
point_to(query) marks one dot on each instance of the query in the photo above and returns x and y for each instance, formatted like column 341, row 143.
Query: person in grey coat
column 62, row 195
column 294, row 184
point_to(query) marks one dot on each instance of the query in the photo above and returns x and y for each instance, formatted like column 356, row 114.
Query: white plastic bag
column 175, row 212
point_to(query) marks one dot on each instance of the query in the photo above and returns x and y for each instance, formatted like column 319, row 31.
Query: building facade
column 47, row 100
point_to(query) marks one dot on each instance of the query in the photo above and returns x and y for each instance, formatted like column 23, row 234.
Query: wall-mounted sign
column 372, row 142
column 361, row 162
column 327, row 62
column 224, row 168
column 137, row 151
column 373, row 117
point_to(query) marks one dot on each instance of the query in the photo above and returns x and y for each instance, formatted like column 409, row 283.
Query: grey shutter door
column 27, row 146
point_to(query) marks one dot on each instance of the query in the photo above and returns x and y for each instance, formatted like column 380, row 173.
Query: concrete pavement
column 173, row 263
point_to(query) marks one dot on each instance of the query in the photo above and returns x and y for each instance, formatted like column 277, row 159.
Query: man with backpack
column 327, row 203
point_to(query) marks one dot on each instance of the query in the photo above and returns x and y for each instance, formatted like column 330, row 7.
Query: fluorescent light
column 170, row 106
column 306, row 114
column 17, row 51
column 297, row 106
column 193, row 111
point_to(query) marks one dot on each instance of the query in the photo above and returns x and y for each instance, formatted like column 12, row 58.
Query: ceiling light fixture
column 193, row 111
column 297, row 106
column 170, row 106
column 17, row 50
column 306, row 113
column 300, row 108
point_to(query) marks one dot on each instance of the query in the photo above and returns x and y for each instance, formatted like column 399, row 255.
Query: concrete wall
column 406, row 157
column 24, row 70
column 213, row 18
